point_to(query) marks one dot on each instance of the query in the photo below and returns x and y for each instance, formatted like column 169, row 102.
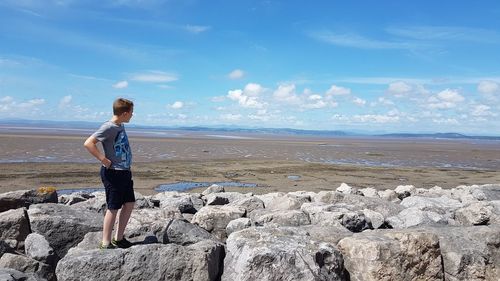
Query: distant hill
column 235, row 129
column 439, row 136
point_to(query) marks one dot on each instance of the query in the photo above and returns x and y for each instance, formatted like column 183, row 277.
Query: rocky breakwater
column 346, row 233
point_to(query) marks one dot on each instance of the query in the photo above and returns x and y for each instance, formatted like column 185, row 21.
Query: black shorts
column 119, row 187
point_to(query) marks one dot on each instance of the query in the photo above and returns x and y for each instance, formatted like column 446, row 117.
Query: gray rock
column 5, row 248
column 38, row 248
column 9, row 274
column 184, row 233
column 215, row 218
column 392, row 255
column 369, row 192
column 268, row 253
column 24, row 198
column 282, row 201
column 345, row 188
column 200, row 261
column 442, row 205
column 237, row 225
column 214, row 188
column 63, row 226
column 185, row 202
column 337, row 214
column 469, row 253
column 27, row 265
column 215, row 199
column 474, row 214
column 14, row 226
column 404, row 191
column 375, row 219
column 281, row 218
column 150, row 221
column 248, row 203
column 389, row 195
column 379, row 205
column 95, row 204
column 142, row 201
column 414, row 217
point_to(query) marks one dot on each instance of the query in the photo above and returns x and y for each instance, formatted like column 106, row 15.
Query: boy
column 115, row 172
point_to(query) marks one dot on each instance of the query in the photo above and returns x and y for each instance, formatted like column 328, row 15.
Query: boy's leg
column 123, row 218
column 107, row 228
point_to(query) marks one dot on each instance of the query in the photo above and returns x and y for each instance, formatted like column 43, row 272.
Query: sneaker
column 124, row 243
column 106, row 247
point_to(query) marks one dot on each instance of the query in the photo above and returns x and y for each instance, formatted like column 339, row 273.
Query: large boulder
column 283, row 201
column 185, row 202
column 249, row 203
column 198, row 262
column 287, row 253
column 63, row 226
column 150, row 222
column 27, row 265
column 392, row 255
column 477, row 213
column 469, row 253
column 184, row 233
column 413, row 216
column 280, row 218
column 38, row 248
column 216, row 218
column 24, row 198
column 14, row 226
column 9, row 274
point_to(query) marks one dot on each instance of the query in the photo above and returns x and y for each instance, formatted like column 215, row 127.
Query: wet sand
column 61, row 161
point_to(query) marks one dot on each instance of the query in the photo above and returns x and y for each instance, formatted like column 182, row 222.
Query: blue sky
column 393, row 66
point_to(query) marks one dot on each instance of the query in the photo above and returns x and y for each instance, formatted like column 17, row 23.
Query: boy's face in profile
column 128, row 115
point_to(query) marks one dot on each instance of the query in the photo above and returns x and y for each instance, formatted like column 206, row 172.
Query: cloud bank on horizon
column 328, row 65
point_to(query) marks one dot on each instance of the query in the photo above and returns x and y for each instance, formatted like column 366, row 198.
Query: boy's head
column 121, row 105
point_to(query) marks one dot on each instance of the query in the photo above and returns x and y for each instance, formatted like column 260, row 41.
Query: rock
column 474, row 214
column 200, row 261
column 5, row 248
column 38, row 248
column 375, row 219
column 282, row 201
column 281, row 218
column 389, row 195
column 214, row 199
column 469, row 253
column 95, row 204
column 214, row 188
column 248, row 203
column 268, row 253
column 337, row 215
column 345, row 188
column 379, row 205
column 237, row 225
column 150, row 221
column 369, row 192
column 27, row 265
column 14, row 226
column 392, row 255
column 63, row 226
column 413, row 217
column 24, row 198
column 441, row 205
column 9, row 274
column 142, row 201
column 404, row 191
column 185, row 202
column 73, row 198
column 215, row 218
column 184, row 233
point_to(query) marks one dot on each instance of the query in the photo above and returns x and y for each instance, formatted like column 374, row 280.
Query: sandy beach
column 272, row 163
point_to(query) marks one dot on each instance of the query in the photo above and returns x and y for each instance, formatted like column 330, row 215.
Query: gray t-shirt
column 115, row 144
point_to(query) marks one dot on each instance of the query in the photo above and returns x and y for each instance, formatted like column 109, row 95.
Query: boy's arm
column 91, row 145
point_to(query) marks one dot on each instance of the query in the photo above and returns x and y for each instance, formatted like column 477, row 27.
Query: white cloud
column 230, row 117
column 197, row 28
column 177, row 105
column 375, row 118
column 253, row 89
column 14, row 108
column 482, row 110
column 338, row 91
column 243, row 99
column 446, row 121
column 236, row 74
column 120, row 85
column 385, row 101
column 488, row 87
column 359, row 101
column 65, row 101
column 445, row 99
column 218, row 99
column 358, row 41
column 286, row 93
column 155, row 77
column 399, row 88
column 7, row 99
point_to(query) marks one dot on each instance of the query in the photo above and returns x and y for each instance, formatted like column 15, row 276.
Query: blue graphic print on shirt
column 122, row 149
